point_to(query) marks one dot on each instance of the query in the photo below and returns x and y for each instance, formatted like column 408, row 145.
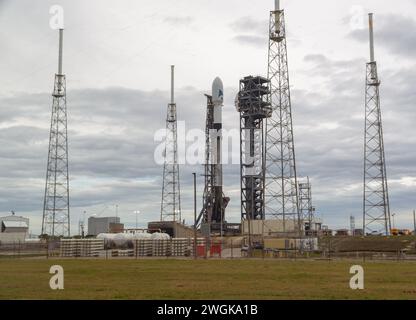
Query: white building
column 13, row 229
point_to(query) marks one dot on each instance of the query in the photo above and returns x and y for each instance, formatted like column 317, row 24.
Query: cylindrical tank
column 108, row 239
column 122, row 239
column 142, row 235
column 106, row 236
column 160, row 236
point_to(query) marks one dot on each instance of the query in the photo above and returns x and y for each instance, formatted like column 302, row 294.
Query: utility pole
column 414, row 222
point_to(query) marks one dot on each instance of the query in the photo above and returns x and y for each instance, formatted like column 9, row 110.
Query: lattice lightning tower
column 56, row 221
column 281, row 191
column 376, row 207
column 171, row 193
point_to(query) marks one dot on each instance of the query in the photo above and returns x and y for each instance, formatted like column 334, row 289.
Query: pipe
column 370, row 21
column 61, row 40
column 172, row 84
column 277, row 16
column 276, row 5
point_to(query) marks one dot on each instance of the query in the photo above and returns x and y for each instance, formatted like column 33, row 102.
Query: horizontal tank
column 106, row 236
column 123, row 240
column 160, row 236
column 142, row 235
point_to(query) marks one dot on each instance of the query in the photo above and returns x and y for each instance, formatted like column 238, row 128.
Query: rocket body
column 217, row 100
column 216, row 143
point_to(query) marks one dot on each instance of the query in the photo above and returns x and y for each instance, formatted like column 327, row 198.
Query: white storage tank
column 160, row 236
column 122, row 239
column 142, row 235
column 106, row 236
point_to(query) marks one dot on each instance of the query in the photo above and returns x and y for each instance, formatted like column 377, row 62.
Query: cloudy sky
column 117, row 57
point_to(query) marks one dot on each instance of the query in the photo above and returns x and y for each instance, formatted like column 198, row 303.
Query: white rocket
column 217, row 100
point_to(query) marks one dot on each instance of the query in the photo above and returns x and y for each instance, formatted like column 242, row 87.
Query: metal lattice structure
column 214, row 201
column 281, row 191
column 171, row 194
column 208, row 196
column 253, row 105
column 305, row 205
column 56, row 219
column 376, row 207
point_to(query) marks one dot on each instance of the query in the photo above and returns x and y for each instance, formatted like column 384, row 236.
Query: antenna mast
column 171, row 198
column 376, row 206
column 56, row 220
column 281, row 189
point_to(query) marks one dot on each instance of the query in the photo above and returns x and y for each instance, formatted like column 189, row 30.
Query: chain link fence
column 38, row 249
column 330, row 248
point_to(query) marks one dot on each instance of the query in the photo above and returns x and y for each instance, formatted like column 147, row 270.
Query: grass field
column 212, row 279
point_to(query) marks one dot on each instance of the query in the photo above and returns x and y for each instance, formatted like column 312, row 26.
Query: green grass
column 212, row 279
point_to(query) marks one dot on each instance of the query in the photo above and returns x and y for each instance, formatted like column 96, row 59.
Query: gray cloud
column 111, row 148
column 111, row 144
column 395, row 33
column 250, row 31
column 329, row 134
column 250, row 25
column 179, row 21
column 252, row 40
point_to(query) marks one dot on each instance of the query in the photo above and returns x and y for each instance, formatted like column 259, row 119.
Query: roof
column 13, row 218
column 15, row 224
column 116, row 219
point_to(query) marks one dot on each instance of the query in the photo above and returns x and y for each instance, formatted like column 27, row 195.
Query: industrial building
column 97, row 225
column 172, row 228
column 13, row 229
column 270, row 228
